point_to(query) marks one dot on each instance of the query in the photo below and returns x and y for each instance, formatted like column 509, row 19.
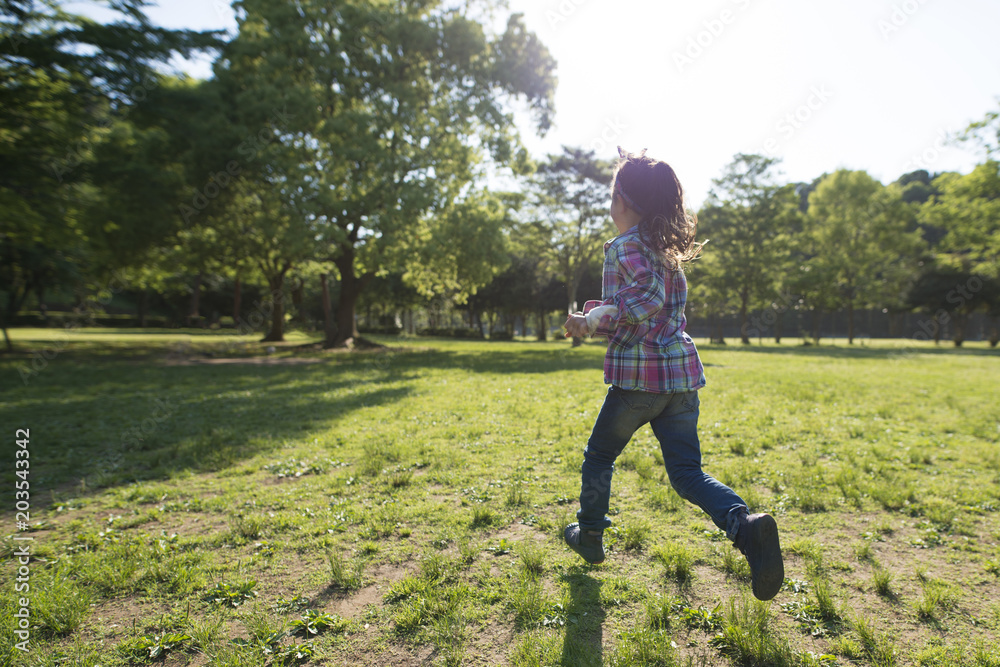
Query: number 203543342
column 21, row 468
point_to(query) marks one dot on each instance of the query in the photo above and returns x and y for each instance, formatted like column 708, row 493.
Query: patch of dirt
column 517, row 532
column 353, row 605
column 197, row 525
column 394, row 655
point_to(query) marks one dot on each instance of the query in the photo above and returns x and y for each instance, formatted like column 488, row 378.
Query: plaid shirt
column 648, row 349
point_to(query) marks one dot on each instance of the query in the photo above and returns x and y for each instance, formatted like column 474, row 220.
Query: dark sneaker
column 757, row 539
column 587, row 543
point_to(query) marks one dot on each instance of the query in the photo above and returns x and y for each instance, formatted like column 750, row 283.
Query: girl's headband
column 628, row 200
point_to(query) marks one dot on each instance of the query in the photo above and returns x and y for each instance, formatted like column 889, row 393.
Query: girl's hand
column 576, row 326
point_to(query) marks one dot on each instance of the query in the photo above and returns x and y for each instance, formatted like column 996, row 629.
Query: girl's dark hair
column 650, row 187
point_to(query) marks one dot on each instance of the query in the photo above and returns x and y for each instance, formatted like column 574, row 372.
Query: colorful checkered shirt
column 648, row 349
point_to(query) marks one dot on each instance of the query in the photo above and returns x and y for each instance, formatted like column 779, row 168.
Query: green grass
column 406, row 506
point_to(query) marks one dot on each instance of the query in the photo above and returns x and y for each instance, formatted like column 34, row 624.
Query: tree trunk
column 817, row 320
column 960, row 319
column 193, row 316
column 6, row 336
column 143, row 307
column 328, row 326
column 14, row 303
column 42, row 308
column 994, row 332
column 351, row 287
column 347, row 327
column 298, row 297
column 276, row 282
column 237, row 298
column 744, row 298
column 850, row 322
column 543, row 326
column 778, row 322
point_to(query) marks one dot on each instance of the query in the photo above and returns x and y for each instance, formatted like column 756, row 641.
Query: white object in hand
column 595, row 315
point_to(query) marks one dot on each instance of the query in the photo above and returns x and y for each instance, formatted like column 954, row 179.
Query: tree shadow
column 112, row 423
column 584, row 638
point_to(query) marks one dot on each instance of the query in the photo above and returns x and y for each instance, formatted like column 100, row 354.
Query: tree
column 460, row 249
column 568, row 216
column 747, row 220
column 66, row 84
column 709, row 297
column 858, row 235
column 968, row 210
column 985, row 133
column 395, row 105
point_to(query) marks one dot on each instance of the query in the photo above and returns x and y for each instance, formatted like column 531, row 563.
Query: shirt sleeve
column 644, row 291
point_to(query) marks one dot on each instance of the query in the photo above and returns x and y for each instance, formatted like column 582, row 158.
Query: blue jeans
column 674, row 418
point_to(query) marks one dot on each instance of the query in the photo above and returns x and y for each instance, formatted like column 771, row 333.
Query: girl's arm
column 642, row 296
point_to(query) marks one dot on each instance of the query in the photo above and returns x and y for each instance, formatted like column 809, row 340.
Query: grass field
column 196, row 500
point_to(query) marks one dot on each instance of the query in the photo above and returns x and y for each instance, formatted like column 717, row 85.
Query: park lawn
column 206, row 499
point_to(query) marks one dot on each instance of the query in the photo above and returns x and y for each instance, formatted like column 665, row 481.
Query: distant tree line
column 333, row 171
column 335, row 144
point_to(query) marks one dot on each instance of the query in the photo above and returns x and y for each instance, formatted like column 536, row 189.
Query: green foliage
column 968, row 211
column 882, row 578
column 158, row 646
column 71, row 143
column 860, row 243
column 566, row 215
column 345, row 574
column 677, row 560
column 530, row 600
column 877, row 646
column 748, row 222
column 231, row 595
column 314, row 622
column 748, row 636
column 644, row 647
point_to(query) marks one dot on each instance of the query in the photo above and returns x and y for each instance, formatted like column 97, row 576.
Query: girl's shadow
column 584, row 637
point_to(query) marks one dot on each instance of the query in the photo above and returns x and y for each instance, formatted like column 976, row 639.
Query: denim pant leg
column 676, row 427
column 621, row 416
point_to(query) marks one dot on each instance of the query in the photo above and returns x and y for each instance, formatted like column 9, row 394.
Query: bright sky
column 858, row 84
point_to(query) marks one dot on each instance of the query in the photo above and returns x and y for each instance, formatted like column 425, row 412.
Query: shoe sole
column 576, row 547
column 769, row 572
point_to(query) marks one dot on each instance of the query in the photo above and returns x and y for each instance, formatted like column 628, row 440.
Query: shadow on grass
column 120, row 415
column 582, row 644
column 112, row 422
